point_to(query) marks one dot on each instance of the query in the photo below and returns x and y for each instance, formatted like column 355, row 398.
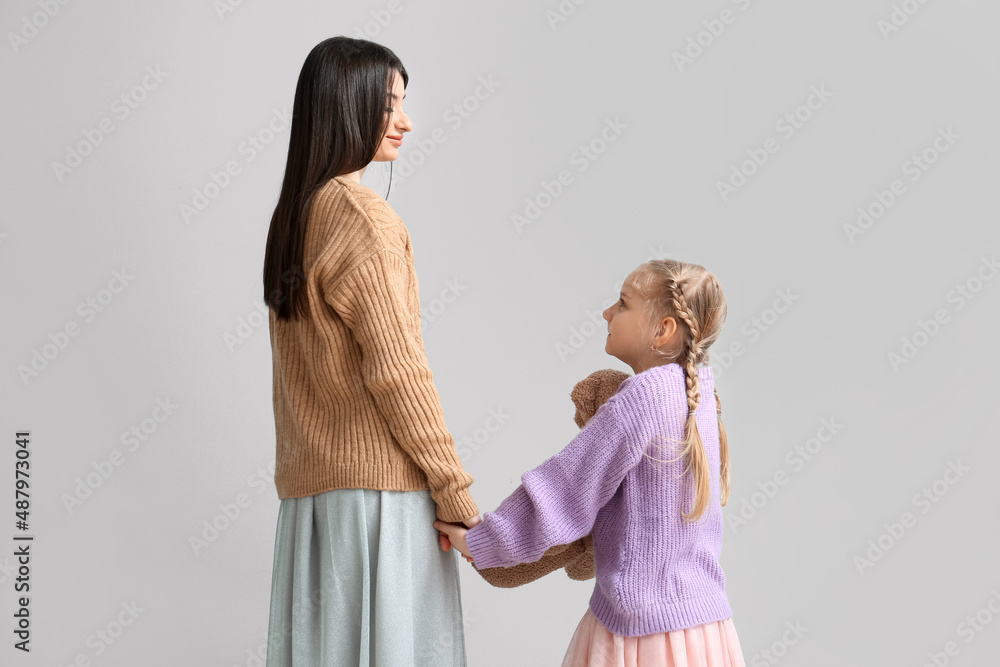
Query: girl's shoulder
column 659, row 380
column 652, row 377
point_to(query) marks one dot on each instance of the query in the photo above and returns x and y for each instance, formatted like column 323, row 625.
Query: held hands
column 453, row 534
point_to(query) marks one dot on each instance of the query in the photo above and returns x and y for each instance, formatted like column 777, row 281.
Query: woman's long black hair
column 339, row 118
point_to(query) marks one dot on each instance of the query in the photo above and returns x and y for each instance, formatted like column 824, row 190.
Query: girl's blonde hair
column 693, row 296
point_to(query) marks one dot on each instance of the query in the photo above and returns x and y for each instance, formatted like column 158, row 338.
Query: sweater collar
column 675, row 369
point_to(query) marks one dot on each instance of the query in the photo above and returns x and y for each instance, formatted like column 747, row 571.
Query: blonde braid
column 694, row 447
column 680, row 307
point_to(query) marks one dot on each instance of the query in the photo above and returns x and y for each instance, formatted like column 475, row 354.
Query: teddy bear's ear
column 591, row 392
column 584, row 398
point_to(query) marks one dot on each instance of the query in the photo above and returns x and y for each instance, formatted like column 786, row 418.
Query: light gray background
column 651, row 192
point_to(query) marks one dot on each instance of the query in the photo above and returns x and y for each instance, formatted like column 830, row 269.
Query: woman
column 364, row 461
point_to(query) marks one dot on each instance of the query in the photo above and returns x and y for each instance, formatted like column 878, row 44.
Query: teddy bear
column 576, row 557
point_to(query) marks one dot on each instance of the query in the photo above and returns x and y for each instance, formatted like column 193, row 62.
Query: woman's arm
column 371, row 299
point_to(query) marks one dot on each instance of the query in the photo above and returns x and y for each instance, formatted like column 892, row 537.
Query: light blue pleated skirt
column 359, row 579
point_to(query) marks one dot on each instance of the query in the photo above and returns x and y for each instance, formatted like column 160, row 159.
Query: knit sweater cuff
column 457, row 507
column 480, row 545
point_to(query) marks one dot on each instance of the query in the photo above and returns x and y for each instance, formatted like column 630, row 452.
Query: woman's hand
column 446, row 545
column 446, row 542
column 455, row 536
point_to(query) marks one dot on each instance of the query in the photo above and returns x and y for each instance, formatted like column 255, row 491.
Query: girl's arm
column 558, row 502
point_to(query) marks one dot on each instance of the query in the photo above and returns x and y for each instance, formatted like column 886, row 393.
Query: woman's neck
column 354, row 176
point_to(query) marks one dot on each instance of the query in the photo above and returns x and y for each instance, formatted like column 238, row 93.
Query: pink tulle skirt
column 709, row 645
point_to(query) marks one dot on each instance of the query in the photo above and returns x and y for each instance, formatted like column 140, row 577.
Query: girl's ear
column 667, row 327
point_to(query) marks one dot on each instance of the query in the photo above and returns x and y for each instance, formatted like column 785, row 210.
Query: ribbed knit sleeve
column 371, row 299
column 557, row 502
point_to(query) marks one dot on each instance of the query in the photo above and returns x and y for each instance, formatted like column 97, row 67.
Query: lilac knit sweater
column 655, row 573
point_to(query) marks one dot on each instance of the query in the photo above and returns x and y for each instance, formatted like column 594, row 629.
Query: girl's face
column 399, row 123
column 629, row 337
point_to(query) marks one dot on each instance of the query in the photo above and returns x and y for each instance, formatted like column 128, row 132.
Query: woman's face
column 399, row 123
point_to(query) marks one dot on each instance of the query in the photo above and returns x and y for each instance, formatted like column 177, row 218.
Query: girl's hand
column 455, row 536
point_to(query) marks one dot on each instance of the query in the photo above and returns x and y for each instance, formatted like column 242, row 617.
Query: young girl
column 659, row 596
column 364, row 461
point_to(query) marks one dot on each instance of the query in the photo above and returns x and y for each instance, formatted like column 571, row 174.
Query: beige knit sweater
column 355, row 404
